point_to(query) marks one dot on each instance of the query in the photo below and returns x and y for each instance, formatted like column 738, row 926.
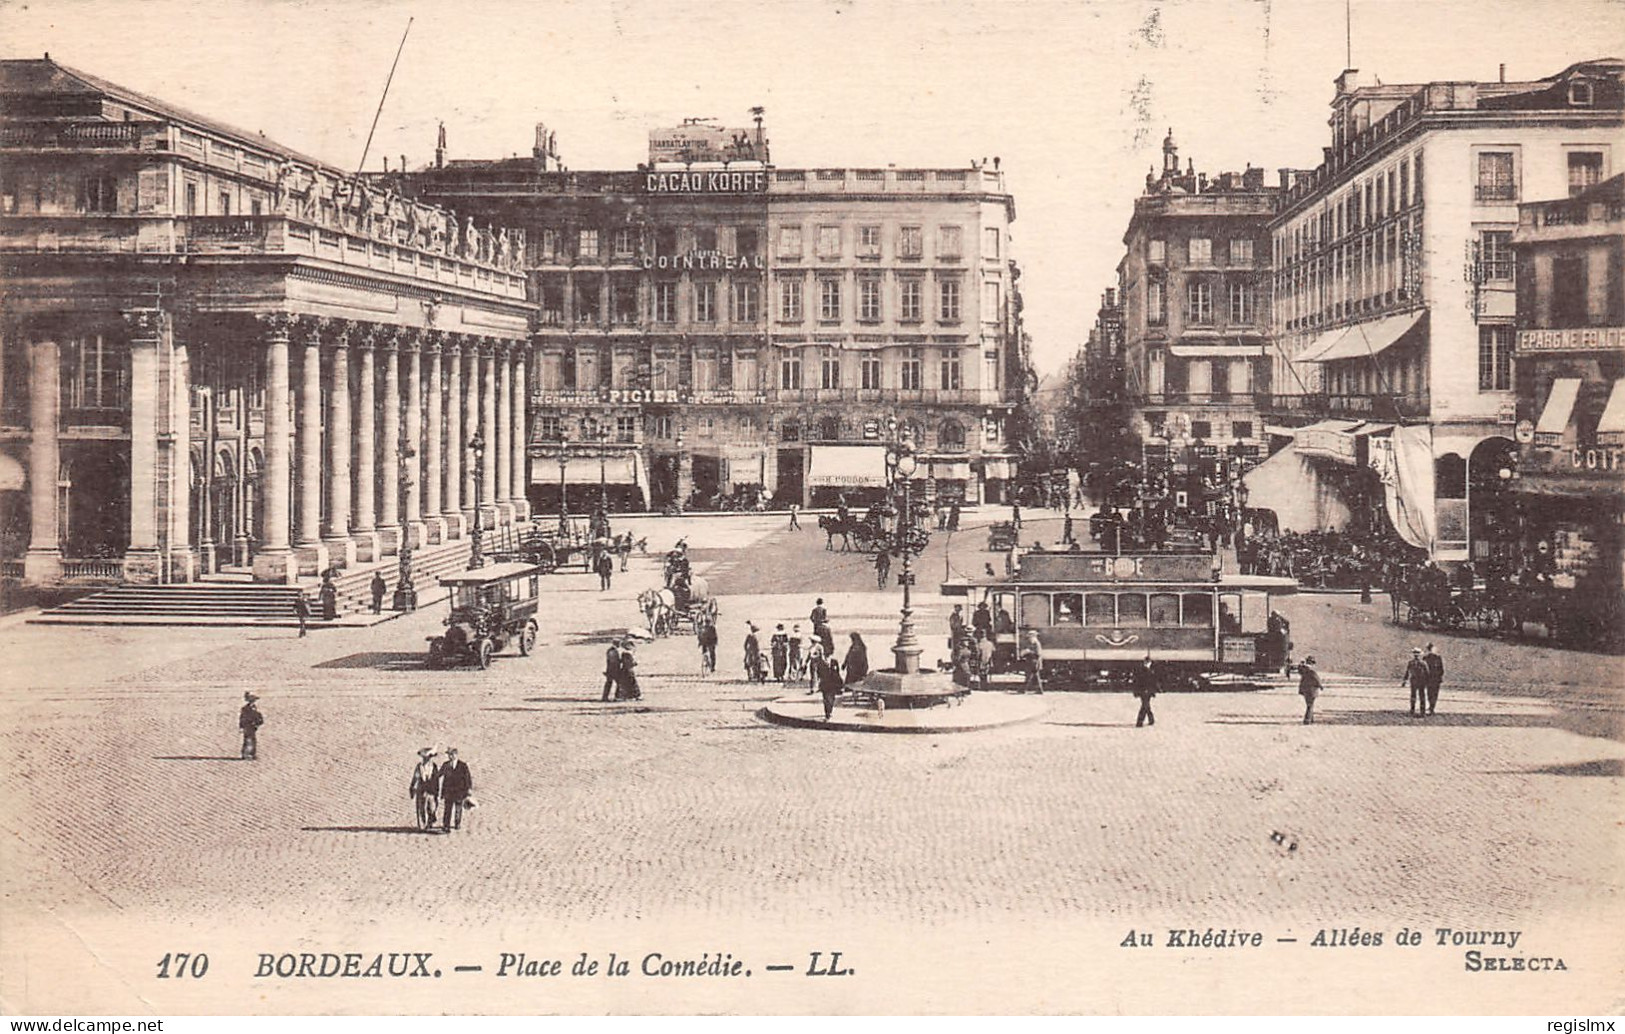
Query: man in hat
column 1416, row 676
column 377, row 585
column 753, row 654
column 819, row 615
column 1033, row 655
column 249, row 721
column 612, row 668
column 456, row 783
column 1435, row 665
column 424, row 788
column 301, row 610
column 1308, row 688
column 1145, row 688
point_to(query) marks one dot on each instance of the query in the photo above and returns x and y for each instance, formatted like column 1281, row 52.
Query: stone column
column 456, row 456
column 389, row 445
column 433, row 456
column 183, row 558
column 471, row 426
column 364, row 531
column 146, row 331
column 43, row 561
column 519, row 439
column 412, row 458
column 274, row 562
column 308, row 546
column 341, row 549
column 488, row 425
column 502, row 440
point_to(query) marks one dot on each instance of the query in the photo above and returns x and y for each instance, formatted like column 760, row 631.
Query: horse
column 832, row 526
column 658, row 606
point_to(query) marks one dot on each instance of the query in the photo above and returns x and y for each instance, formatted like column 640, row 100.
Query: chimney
column 1348, row 82
column 1503, row 71
column 1252, row 179
column 440, row 147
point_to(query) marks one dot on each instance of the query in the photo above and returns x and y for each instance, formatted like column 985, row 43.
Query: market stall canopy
column 1554, row 419
column 847, row 466
column 1364, row 339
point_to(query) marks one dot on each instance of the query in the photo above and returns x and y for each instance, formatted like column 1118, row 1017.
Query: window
column 868, row 242
column 661, row 426
column 1241, row 252
column 626, row 428
column 587, row 244
column 626, row 241
column 548, row 428
column 990, row 301
column 1068, row 608
column 705, row 301
column 1569, row 289
column 224, row 208
column 910, row 310
column 790, row 301
column 790, row 372
column 1494, row 358
column 951, row 435
column 990, row 372
column 948, row 301
column 726, row 240
column 951, row 376
column 586, row 300
column 829, row 300
column 746, row 301
column 909, row 371
column 707, row 426
column 1580, row 93
column 665, row 299
column 1131, row 611
column 1035, row 609
column 1241, row 429
column 910, row 242
column 99, row 371
column 705, row 371
column 869, row 300
column 1495, row 177
column 869, row 373
column 829, row 242
column 255, row 208
column 1201, row 251
column 100, row 194
column 1199, row 302
column 1241, row 303
column 1196, row 610
column 624, row 302
column 1157, row 252
column 1585, row 170
column 949, row 242
column 829, row 373
column 550, row 245
column 1156, row 309
column 790, row 242
column 705, row 238
column 1164, row 610
column 1201, row 429
column 666, row 241
column 990, row 242
column 191, row 199
column 1495, row 254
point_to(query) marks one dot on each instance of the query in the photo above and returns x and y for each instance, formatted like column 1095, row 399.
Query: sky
column 1074, row 96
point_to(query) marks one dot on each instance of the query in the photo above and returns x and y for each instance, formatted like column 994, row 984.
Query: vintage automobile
column 490, row 607
column 1001, row 535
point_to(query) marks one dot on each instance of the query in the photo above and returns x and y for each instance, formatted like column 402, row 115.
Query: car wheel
column 527, row 639
column 482, row 653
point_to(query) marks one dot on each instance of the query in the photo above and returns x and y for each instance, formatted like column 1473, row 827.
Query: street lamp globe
column 907, row 464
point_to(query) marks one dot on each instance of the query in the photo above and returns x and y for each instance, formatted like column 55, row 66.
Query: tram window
column 1255, row 612
column 1230, row 612
column 1034, row 609
column 1164, row 610
column 1003, row 622
column 1131, row 610
column 1100, row 608
column 1198, row 610
column 1068, row 608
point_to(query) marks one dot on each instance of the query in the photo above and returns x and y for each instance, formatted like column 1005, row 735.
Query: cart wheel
column 482, row 653
column 527, row 639
column 437, row 654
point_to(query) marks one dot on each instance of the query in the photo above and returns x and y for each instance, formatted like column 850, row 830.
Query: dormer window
column 1580, row 93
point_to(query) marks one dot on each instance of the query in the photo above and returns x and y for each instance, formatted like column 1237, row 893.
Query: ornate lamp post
column 603, row 456
column 476, row 537
column 901, row 465
column 406, row 594
column 564, row 498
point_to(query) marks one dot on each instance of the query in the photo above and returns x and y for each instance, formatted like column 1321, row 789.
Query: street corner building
column 219, row 355
column 713, row 330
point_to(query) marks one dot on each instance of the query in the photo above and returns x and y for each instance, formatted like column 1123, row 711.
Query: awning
column 620, row 468
column 997, row 468
column 1280, row 432
column 1611, row 428
column 946, row 470
column 1365, row 339
column 1311, row 352
column 847, row 466
column 1331, row 439
column 1370, row 428
column 1216, row 351
column 1554, row 419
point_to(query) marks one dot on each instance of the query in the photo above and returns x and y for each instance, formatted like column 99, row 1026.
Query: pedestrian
column 456, row 783
column 984, row 660
column 1145, row 687
column 1435, row 664
column 329, row 596
column 796, row 664
column 1066, row 528
column 1033, row 655
column 857, row 660
column 249, row 721
column 882, row 568
column 956, row 626
column 378, row 588
column 1308, row 688
column 779, row 646
column 612, row 669
column 301, row 610
column 424, row 788
column 795, row 512
column 819, row 615
column 953, row 516
column 830, row 685
column 627, row 687
column 623, row 548
column 606, row 570
column 827, row 638
column 815, row 664
column 1015, row 515
column 982, row 619
column 708, row 646
column 754, row 671
column 1416, row 676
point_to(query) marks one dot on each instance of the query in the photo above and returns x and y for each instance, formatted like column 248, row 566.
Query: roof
column 45, row 76
column 489, row 573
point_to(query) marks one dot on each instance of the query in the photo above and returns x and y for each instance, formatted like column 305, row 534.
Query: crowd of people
column 792, row 658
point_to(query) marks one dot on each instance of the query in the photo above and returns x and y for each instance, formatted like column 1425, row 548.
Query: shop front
column 856, row 473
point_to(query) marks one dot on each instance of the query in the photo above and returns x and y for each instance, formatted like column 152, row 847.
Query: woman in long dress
column 857, row 660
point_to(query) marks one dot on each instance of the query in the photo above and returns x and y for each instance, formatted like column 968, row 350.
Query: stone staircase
column 428, row 564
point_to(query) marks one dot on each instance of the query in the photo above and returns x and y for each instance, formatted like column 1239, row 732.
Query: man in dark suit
column 456, row 783
column 1417, row 677
column 249, row 721
column 1145, row 687
column 1435, row 665
column 612, row 669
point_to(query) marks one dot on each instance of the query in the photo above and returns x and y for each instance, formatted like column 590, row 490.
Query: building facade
column 712, row 333
column 219, row 355
column 1568, row 484
column 1194, row 293
column 1394, row 291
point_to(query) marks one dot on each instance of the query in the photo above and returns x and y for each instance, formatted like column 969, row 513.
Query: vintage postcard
column 631, row 507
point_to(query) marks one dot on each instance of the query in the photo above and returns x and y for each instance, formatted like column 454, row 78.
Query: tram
column 1099, row 615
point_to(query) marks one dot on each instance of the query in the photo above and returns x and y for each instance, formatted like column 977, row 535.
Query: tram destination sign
column 720, row 181
column 1094, row 567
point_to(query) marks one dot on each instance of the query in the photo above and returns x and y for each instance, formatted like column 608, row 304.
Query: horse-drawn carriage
column 545, row 544
column 684, row 604
column 490, row 607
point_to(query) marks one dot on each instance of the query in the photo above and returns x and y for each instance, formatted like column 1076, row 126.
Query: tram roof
column 1267, row 583
column 489, row 573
